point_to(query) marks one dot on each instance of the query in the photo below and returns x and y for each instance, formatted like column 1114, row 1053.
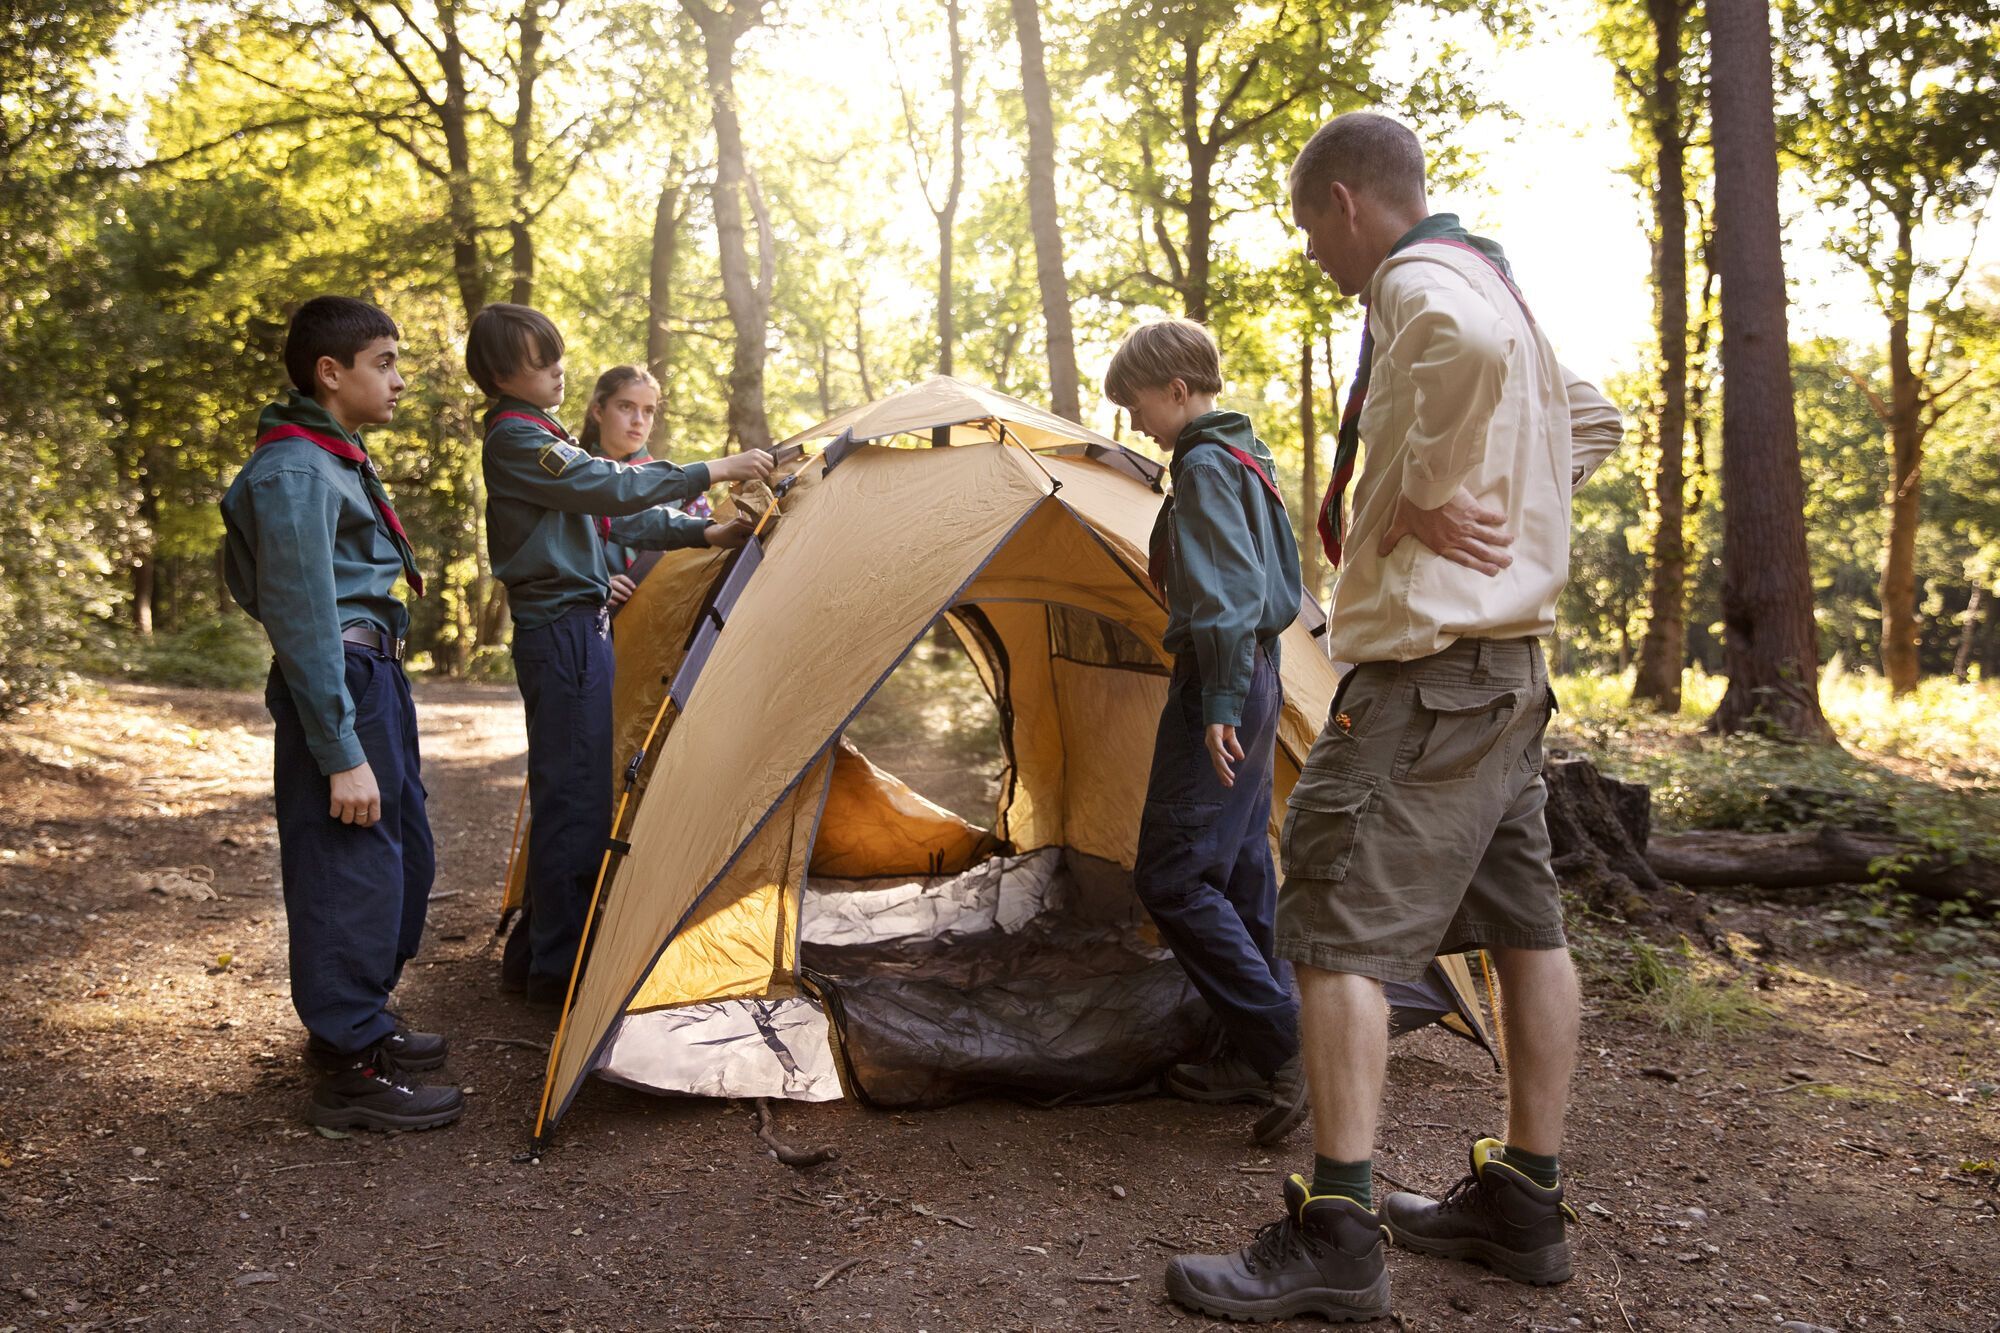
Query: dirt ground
column 1834, row 1167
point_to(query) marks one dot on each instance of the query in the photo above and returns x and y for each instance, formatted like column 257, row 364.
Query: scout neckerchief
column 1158, row 549
column 1437, row 229
column 555, row 428
column 370, row 482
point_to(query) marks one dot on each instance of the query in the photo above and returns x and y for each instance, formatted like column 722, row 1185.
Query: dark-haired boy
column 544, row 496
column 313, row 552
column 1224, row 555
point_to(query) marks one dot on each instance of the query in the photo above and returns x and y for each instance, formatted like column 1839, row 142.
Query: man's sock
column 1544, row 1171
column 1349, row 1180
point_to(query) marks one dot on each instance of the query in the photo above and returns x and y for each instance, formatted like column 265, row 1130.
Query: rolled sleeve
column 297, row 515
column 1596, row 428
column 1224, row 578
column 527, row 463
column 1453, row 348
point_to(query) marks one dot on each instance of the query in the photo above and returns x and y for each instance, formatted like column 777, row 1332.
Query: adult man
column 1417, row 825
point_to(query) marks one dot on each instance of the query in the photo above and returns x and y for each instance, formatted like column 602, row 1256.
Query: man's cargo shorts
column 1417, row 826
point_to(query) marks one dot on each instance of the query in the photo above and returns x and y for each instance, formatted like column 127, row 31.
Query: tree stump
column 1598, row 829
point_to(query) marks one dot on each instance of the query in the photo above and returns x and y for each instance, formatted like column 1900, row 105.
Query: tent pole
column 597, row 891
column 1493, row 1003
column 513, row 854
column 590, row 917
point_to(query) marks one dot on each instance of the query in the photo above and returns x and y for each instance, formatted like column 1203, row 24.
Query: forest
column 784, row 210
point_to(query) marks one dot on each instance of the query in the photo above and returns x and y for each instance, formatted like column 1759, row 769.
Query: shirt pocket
column 1322, row 824
column 1453, row 728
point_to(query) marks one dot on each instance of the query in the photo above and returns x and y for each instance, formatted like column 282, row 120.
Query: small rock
column 252, row 1279
column 1698, row 1216
column 1117, row 1191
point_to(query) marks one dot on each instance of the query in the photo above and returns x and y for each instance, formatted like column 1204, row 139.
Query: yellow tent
column 756, row 832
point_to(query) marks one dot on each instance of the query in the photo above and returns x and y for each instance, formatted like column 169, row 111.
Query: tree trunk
column 947, row 216
column 1599, row 828
column 1309, row 471
column 1200, row 210
column 1658, row 680
column 660, row 288
column 1043, row 218
column 461, row 209
column 1975, row 607
column 521, row 258
column 749, row 309
column 1906, row 454
column 1770, row 644
column 861, row 347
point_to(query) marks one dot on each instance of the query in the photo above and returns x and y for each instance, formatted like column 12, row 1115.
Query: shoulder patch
column 556, row 457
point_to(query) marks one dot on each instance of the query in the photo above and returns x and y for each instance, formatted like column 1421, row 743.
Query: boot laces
column 1465, row 1197
column 1278, row 1241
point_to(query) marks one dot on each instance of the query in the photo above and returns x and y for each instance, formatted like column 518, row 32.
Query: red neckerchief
column 370, row 482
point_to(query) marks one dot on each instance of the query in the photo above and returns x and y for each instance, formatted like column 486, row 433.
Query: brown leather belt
column 370, row 637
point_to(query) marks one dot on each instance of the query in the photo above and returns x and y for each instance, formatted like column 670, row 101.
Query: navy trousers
column 355, row 898
column 1204, row 865
column 564, row 670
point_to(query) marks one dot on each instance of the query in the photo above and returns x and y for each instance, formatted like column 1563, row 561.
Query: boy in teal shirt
column 549, row 507
column 1225, row 558
column 313, row 551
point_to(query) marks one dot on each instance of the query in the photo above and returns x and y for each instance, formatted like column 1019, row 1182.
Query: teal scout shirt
column 542, row 490
column 655, row 529
column 307, row 554
column 1232, row 563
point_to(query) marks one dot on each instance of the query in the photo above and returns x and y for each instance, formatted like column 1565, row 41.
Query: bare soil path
column 1835, row 1166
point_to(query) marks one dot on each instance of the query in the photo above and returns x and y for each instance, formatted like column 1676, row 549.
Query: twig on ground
column 448, row 893
column 839, row 1268
column 1859, row 1147
column 301, row 1166
column 799, row 1158
column 959, row 1155
column 1109, row 1281
column 1862, row 1055
column 522, row 1042
column 1802, row 1083
column 1618, row 1280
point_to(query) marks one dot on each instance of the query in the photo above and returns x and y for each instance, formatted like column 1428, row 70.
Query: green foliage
column 1688, row 995
column 1926, row 762
column 225, row 652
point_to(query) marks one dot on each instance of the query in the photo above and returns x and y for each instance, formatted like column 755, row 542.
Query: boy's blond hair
column 1155, row 355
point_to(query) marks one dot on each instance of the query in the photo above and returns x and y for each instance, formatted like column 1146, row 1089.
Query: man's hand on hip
column 1461, row 530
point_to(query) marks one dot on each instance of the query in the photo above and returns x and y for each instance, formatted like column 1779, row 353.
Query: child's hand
column 1462, row 530
column 1224, row 752
column 750, row 465
column 622, row 589
column 728, row 536
column 356, row 798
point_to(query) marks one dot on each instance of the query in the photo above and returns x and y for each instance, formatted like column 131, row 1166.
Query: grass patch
column 1926, row 764
column 228, row 652
column 1687, row 994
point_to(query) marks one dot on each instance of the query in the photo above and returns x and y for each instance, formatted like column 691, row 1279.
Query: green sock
column 1350, row 1180
column 1542, row 1170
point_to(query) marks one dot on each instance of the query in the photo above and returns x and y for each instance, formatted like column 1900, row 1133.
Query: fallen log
column 1815, row 858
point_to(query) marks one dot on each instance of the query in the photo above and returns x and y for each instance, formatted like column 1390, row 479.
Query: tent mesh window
column 1082, row 636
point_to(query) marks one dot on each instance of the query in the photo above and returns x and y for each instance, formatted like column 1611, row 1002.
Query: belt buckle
column 396, row 650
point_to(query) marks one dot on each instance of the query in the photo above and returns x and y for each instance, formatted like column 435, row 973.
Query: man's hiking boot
column 1323, row 1257
column 1287, row 1091
column 1495, row 1216
column 414, row 1052
column 1226, row 1078
column 369, row 1092
column 547, row 993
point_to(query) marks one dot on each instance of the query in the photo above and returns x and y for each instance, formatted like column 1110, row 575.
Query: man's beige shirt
column 1465, row 391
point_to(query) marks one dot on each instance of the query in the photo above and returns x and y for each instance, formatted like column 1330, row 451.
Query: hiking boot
column 1495, row 1216
column 1286, row 1090
column 414, row 1052
column 547, row 993
column 368, row 1092
column 1323, row 1257
column 1226, row 1078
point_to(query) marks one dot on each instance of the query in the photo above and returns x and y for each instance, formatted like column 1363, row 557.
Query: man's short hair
column 1155, row 355
column 505, row 339
column 1367, row 153
column 335, row 326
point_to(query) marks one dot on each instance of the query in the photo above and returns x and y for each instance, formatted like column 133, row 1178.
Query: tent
column 783, row 918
